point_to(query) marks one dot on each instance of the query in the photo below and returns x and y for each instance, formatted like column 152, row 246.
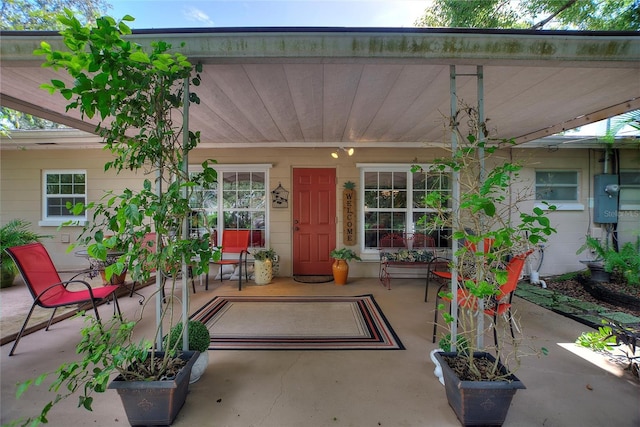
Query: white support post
column 455, row 203
column 481, row 137
column 185, row 224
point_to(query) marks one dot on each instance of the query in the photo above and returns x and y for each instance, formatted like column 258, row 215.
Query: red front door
column 314, row 220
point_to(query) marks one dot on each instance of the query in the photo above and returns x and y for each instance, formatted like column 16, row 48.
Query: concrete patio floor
column 341, row 388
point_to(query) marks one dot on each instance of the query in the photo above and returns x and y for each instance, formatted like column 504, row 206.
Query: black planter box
column 155, row 403
column 478, row 403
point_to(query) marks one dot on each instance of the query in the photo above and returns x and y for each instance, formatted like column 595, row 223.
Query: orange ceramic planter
column 340, row 271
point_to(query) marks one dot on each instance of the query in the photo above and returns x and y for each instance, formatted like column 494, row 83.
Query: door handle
column 296, row 228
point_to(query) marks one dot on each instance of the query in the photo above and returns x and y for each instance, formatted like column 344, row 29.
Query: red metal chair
column 499, row 304
column 48, row 290
column 437, row 263
column 234, row 242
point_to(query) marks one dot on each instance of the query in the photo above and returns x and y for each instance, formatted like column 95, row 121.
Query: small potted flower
column 340, row 266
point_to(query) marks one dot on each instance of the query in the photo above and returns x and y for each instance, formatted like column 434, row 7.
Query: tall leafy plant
column 139, row 95
column 14, row 233
column 483, row 216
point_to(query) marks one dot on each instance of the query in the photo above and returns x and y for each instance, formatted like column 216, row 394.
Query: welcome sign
column 349, row 217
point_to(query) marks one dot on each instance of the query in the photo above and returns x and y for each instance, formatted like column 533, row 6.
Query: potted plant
column 115, row 247
column 198, row 339
column 14, row 233
column 481, row 216
column 596, row 265
column 135, row 92
column 340, row 266
column 624, row 263
column 263, row 262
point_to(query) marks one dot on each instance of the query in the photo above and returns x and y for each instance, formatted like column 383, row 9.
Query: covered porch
column 342, row 388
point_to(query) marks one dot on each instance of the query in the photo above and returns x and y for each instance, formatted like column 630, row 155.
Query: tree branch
column 544, row 22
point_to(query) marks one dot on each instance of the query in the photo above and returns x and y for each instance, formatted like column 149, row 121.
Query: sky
column 268, row 13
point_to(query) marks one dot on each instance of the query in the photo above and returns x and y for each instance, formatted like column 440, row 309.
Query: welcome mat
column 297, row 323
column 313, row 278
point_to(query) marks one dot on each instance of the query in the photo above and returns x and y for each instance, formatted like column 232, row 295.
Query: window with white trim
column 59, row 189
column 392, row 203
column 629, row 190
column 237, row 201
column 557, row 186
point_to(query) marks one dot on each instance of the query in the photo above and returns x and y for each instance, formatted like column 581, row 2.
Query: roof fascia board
column 595, row 49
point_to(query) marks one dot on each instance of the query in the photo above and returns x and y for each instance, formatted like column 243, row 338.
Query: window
column 629, row 190
column 557, row 186
column 393, row 203
column 61, row 187
column 238, row 201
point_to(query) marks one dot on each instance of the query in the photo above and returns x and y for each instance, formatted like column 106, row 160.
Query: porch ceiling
column 311, row 87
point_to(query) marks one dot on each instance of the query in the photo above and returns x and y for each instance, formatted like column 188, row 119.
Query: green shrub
column 15, row 233
column 603, row 339
column 199, row 338
column 625, row 262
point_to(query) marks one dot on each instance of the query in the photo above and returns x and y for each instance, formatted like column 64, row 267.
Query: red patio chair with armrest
column 436, row 264
column 499, row 304
column 48, row 290
column 234, row 242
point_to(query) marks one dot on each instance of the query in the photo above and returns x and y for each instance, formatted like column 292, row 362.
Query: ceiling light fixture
column 335, row 154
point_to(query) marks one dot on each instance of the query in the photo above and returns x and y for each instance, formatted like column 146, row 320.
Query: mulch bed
column 626, row 301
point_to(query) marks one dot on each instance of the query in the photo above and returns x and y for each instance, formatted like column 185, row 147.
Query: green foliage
column 603, row 339
column 345, row 254
column 105, row 348
column 624, row 263
column 470, row 13
column 614, row 334
column 462, row 345
column 596, row 246
column 484, row 227
column 15, row 233
column 40, row 15
column 618, row 123
column 135, row 92
column 567, row 276
column 199, row 338
column 610, row 15
column 264, row 254
column 349, row 185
